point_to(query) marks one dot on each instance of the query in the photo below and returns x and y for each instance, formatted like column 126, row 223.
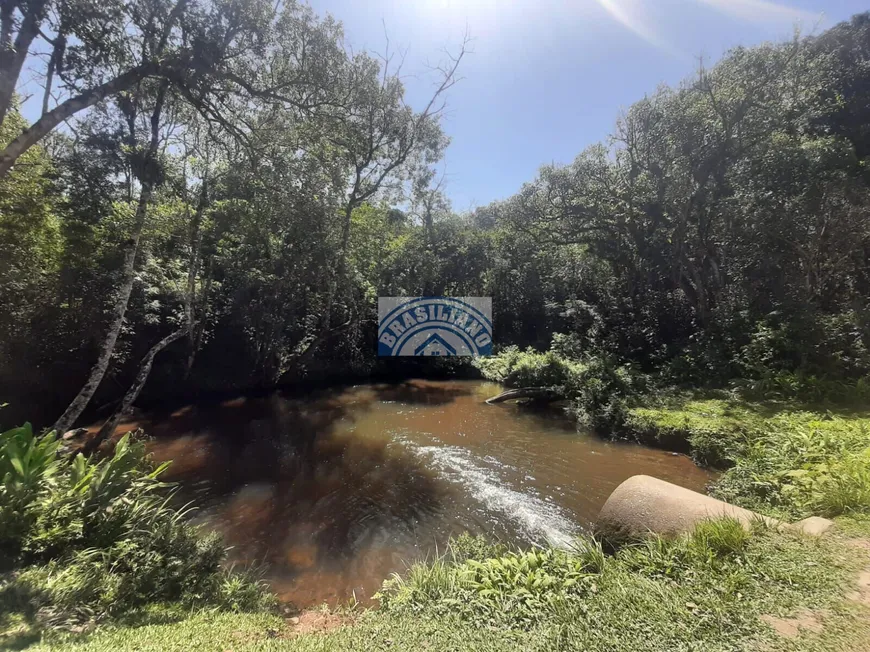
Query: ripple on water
column 540, row 521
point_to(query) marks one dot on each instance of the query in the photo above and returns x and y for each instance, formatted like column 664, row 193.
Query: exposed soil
column 308, row 622
column 809, row 621
column 805, row 620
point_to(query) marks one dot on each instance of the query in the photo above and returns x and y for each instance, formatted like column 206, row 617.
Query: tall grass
column 801, row 464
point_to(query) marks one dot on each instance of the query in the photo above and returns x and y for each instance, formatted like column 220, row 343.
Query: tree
column 208, row 52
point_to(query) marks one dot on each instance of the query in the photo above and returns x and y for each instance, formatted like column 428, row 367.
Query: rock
column 644, row 504
column 294, row 620
column 814, row 525
column 75, row 433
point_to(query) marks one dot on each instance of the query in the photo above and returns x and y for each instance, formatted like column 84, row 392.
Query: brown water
column 337, row 491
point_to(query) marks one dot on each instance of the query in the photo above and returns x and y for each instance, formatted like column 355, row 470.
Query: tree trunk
column 80, row 402
column 42, row 127
column 537, row 394
column 192, row 269
column 12, row 56
column 199, row 329
column 133, row 392
column 339, row 271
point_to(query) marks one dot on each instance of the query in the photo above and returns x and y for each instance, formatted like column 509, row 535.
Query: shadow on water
column 290, row 485
column 335, row 491
column 420, row 392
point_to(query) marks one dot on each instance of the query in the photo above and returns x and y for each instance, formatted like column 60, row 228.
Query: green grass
column 705, row 592
column 781, row 460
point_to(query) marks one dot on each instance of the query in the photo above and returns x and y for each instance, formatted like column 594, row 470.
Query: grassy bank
column 790, row 446
column 781, row 460
column 721, row 589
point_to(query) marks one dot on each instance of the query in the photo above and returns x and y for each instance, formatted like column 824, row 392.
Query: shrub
column 603, row 394
column 809, row 389
column 28, row 466
column 91, row 539
column 808, row 344
column 530, row 368
column 600, row 390
column 800, row 464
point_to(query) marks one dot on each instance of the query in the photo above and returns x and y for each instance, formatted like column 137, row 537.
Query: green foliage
column 516, row 588
column 634, row 606
column 807, row 389
column 704, row 590
column 800, row 464
column 713, row 430
column 91, row 540
column 603, row 393
column 466, row 546
column 816, row 346
column 515, row 368
column 27, row 464
column 599, row 389
column 781, row 460
column 745, row 260
column 714, row 543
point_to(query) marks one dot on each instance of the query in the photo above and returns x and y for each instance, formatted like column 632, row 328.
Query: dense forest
column 216, row 193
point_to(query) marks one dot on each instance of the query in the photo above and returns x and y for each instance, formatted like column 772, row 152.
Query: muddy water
column 335, row 492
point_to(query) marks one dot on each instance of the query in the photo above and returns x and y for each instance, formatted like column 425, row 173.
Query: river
column 333, row 492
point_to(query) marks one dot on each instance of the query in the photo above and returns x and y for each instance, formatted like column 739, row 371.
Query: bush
column 600, row 390
column 89, row 539
column 799, row 464
column 603, row 394
column 28, row 466
column 814, row 390
column 515, row 368
column 808, row 344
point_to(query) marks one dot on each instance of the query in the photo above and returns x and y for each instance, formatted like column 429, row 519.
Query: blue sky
column 549, row 77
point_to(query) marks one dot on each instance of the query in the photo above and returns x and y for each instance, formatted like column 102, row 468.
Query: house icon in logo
column 434, row 345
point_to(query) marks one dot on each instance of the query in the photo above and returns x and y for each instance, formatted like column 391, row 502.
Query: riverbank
column 798, row 448
column 721, row 589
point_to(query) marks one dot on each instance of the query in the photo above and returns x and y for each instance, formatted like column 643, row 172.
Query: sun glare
column 628, row 14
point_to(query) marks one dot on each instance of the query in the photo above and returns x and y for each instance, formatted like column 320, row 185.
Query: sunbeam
column 762, row 11
column 634, row 22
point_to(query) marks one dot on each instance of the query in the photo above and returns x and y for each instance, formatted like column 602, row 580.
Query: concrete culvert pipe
column 644, row 504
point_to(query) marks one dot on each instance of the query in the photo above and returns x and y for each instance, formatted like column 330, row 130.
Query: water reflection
column 336, row 491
